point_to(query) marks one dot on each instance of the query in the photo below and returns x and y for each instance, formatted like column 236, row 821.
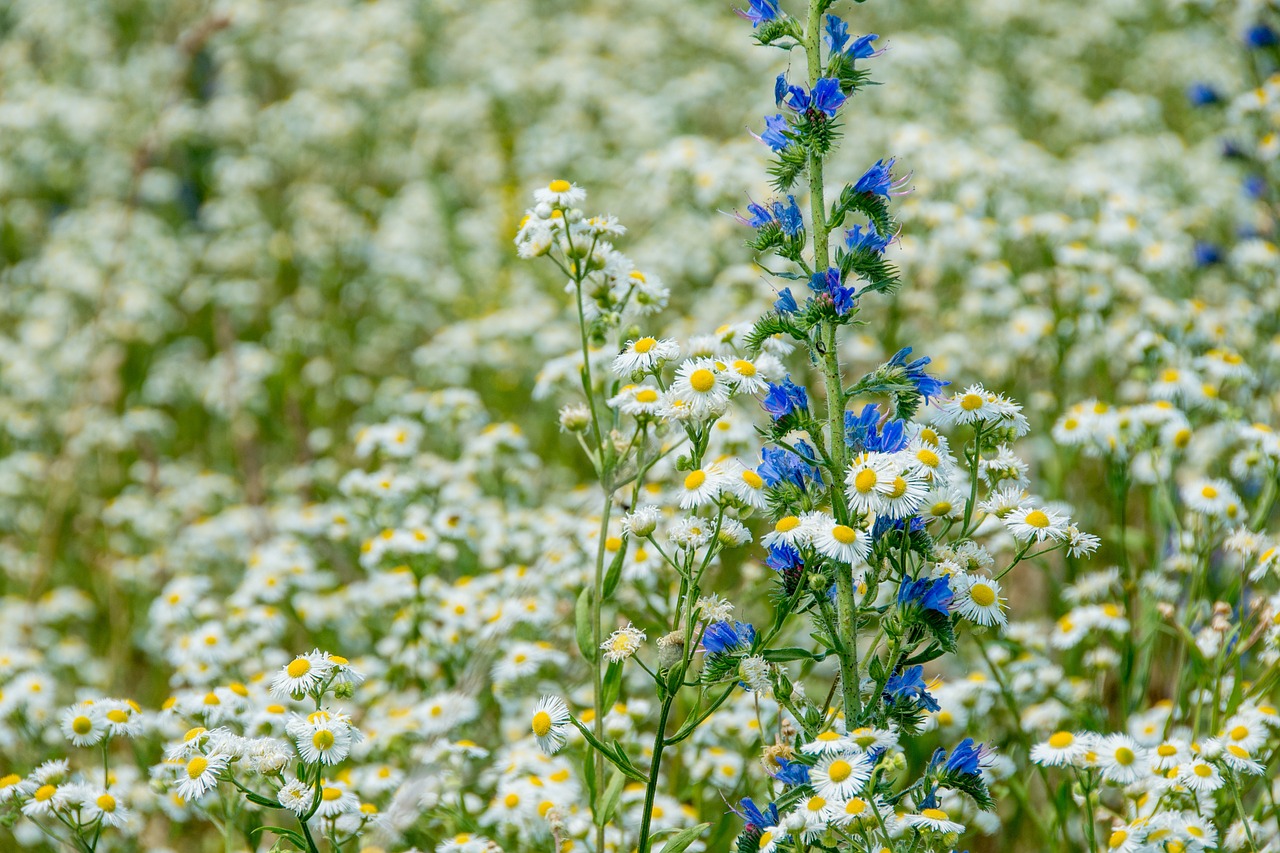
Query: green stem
column 651, row 789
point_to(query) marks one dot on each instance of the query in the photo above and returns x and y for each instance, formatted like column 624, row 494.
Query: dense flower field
column 561, row 426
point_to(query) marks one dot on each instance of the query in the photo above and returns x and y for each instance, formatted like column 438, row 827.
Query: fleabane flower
column 838, row 777
column 302, row 675
column 83, row 724
column 701, row 387
column 977, row 599
column 1120, row 759
column 840, row 541
column 561, row 193
column 644, row 354
column 701, row 486
column 322, row 738
column 548, row 723
column 1062, row 749
column 622, row 643
column 199, row 776
column 1029, row 523
column 935, row 820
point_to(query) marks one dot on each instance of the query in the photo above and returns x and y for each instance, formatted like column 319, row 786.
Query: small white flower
column 622, row 643
column 550, row 719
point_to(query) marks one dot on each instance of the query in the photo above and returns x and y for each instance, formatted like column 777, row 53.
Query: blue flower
column 928, row 386
column 776, row 132
column 760, row 216
column 783, row 466
column 1206, row 254
column 837, row 37
column 723, row 637
column 842, row 297
column 825, row 98
column 929, row 593
column 1255, row 186
column 753, row 817
column 878, row 180
column 759, row 11
column 856, row 239
column 785, row 398
column 1259, row 36
column 968, row 758
column 909, row 684
column 865, row 432
column 912, row 524
column 786, row 303
column 1202, row 95
column 788, row 216
column 784, row 558
column 791, row 773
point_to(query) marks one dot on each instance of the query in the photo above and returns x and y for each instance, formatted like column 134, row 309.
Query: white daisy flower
column 83, row 724
column 816, row 811
column 302, row 675
column 746, row 374
column 1062, row 749
column 622, row 643
column 701, row 486
column 200, row 776
column 44, row 801
column 977, row 599
column 1214, row 498
column 105, row 807
column 932, row 819
column 868, row 476
column 644, row 354
column 701, row 387
column 839, row 541
column 830, row 742
column 1199, row 776
column 839, row 777
column 789, row 530
column 560, row 192
column 1033, row 523
column 549, row 721
column 296, row 796
column 637, row 400
column 1120, row 759
column 745, row 485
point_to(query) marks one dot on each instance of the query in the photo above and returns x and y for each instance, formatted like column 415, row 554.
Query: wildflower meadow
column 532, row 426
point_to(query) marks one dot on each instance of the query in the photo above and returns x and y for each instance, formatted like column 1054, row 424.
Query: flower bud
column 575, row 418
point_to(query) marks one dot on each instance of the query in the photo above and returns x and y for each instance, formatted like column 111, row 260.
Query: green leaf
column 612, row 684
column 585, row 630
column 261, row 800
column 609, row 803
column 788, row 654
column 291, row 835
column 614, row 573
column 681, row 840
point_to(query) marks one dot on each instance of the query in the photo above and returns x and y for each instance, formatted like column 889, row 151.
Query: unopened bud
column 575, row 417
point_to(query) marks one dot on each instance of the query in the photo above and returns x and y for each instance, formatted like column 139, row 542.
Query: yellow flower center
column 331, row 794
column 927, row 457
column 107, row 803
column 695, row 480
column 1204, row 771
column 752, row 479
column 1124, row 756
column 643, row 345
column 197, row 766
column 1166, row 750
column 844, row 534
column 935, row 814
column 10, row 780
column 865, row 481
column 856, row 806
column 1037, row 518
column 559, row 186
column 899, row 487
column 969, row 402
column 82, row 725
column 512, row 800
column 1117, row 838
column 744, row 368
column 787, row 524
column 1239, row 733
column 298, row 668
column 646, row 395
column 816, row 804
column 1061, row 740
column 1238, row 751
column 839, row 770
column 982, row 595
column 541, row 723
column 322, row 739
column 1209, row 492
column 828, row 736
column 115, row 715
column 940, row 508
column 702, row 380
column 44, row 793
